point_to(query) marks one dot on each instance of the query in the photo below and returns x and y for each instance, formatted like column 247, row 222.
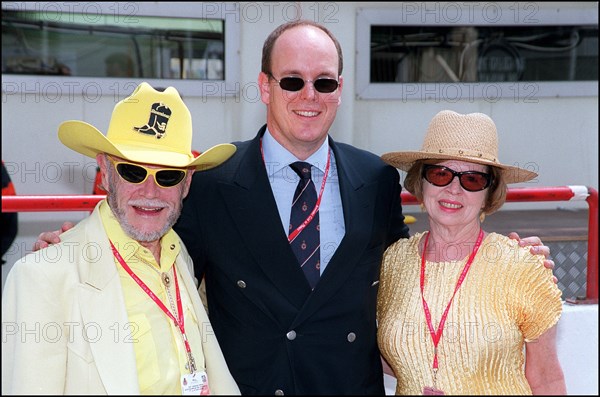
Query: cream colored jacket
column 64, row 321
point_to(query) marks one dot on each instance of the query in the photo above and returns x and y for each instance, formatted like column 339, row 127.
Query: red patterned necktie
column 307, row 243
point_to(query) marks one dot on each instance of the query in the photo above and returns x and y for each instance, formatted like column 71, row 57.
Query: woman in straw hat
column 457, row 304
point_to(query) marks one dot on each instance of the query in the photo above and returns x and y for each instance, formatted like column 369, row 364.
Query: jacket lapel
column 357, row 201
column 102, row 304
column 252, row 206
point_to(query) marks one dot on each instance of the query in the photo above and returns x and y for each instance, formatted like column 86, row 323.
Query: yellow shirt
column 159, row 350
column 506, row 299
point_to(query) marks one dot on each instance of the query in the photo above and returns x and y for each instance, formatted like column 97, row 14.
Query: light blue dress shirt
column 284, row 180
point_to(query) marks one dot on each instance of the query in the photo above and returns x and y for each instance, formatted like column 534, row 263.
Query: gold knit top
column 507, row 298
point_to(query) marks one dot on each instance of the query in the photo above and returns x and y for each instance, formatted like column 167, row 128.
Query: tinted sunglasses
column 472, row 181
column 323, row 85
column 135, row 173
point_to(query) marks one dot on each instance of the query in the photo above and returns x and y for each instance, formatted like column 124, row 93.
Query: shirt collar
column 277, row 157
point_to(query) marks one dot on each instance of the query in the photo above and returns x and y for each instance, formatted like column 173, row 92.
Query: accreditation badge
column 195, row 384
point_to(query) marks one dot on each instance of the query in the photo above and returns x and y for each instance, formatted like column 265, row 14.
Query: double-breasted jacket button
column 241, row 283
column 291, row 335
column 351, row 337
column 279, row 392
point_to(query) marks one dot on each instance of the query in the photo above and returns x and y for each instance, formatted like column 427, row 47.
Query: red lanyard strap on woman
column 436, row 336
column 179, row 320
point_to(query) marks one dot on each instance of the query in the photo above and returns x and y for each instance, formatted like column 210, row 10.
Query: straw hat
column 466, row 137
column 149, row 127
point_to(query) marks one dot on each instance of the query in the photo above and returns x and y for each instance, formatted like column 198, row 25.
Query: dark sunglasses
column 323, row 85
column 472, row 181
column 135, row 173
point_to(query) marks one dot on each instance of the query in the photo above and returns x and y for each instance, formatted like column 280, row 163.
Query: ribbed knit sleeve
column 536, row 299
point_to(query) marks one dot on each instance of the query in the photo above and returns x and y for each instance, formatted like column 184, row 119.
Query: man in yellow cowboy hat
column 114, row 308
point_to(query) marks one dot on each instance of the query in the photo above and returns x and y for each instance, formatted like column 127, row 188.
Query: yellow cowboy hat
column 151, row 127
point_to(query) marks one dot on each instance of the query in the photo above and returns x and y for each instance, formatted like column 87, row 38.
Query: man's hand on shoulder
column 537, row 248
column 47, row 238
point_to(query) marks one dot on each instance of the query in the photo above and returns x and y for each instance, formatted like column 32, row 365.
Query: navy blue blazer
column 275, row 334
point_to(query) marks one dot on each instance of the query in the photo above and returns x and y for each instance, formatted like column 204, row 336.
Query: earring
column 423, row 209
column 481, row 217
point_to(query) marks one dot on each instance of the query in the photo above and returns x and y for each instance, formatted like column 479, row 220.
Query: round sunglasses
column 472, row 181
column 293, row 84
column 135, row 173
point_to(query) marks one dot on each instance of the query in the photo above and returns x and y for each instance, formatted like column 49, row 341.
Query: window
column 450, row 50
column 409, row 54
column 104, row 42
column 52, row 43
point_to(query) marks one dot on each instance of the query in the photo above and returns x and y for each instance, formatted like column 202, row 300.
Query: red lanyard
column 178, row 321
column 310, row 217
column 436, row 336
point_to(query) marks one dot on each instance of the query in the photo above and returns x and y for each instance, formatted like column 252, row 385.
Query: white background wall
column 559, row 135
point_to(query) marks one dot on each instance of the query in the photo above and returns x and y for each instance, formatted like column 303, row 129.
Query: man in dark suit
column 278, row 335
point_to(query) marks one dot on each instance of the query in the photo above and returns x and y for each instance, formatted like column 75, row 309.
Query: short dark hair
column 270, row 43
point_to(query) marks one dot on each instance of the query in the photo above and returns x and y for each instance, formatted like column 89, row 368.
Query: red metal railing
column 554, row 193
